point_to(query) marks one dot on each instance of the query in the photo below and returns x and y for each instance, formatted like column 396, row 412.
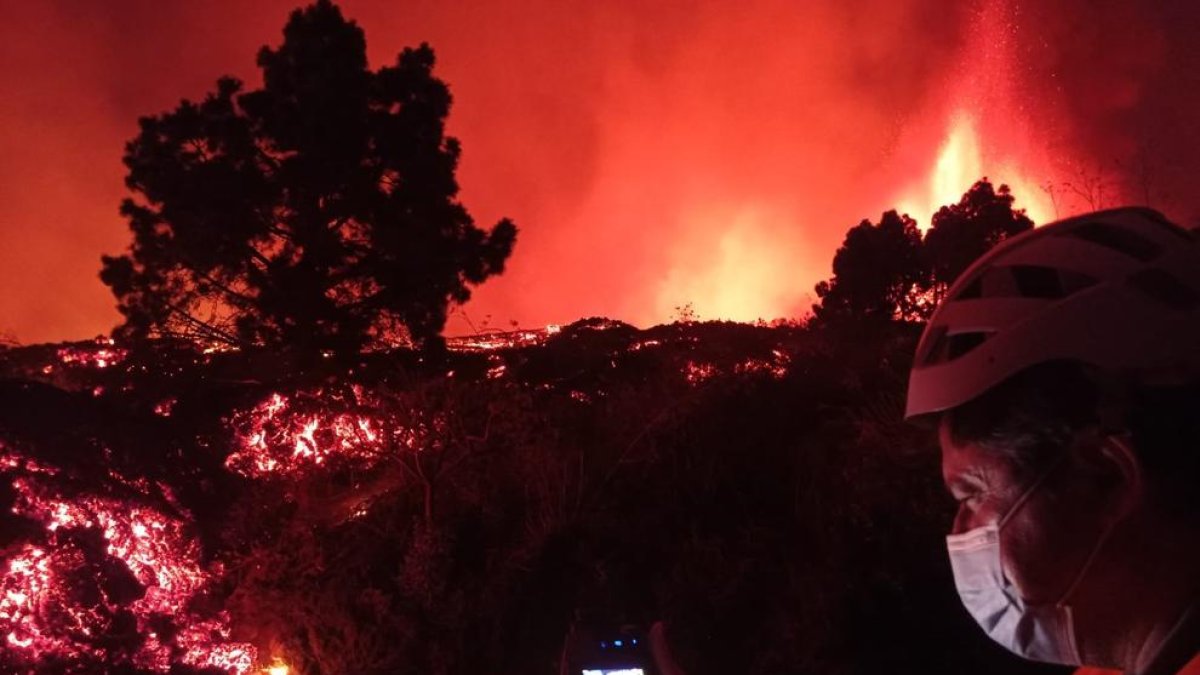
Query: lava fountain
column 985, row 128
column 960, row 162
column 743, row 250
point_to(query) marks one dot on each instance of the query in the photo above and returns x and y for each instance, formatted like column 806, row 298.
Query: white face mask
column 1041, row 632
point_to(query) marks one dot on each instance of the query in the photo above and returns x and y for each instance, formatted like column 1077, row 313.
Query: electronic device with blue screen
column 603, row 650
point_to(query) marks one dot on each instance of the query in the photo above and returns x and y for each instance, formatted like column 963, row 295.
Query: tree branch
column 223, row 288
column 207, row 329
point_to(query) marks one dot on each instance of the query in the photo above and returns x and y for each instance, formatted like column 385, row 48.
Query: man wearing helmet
column 1063, row 373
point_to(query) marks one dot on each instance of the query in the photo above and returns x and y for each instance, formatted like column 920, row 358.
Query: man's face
column 1045, row 542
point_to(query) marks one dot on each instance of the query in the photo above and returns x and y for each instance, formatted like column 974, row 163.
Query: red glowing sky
column 653, row 154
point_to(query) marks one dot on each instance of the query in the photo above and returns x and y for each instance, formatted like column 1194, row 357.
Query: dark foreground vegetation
column 750, row 485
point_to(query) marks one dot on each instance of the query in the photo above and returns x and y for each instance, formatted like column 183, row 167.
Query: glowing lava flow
column 493, row 340
column 101, row 558
column 104, row 354
column 287, row 435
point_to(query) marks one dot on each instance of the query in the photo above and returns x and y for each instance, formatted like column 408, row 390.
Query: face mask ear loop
column 1030, row 490
column 1087, row 564
column 1062, row 603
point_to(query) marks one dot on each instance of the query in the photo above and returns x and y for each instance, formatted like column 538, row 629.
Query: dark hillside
column 751, row 485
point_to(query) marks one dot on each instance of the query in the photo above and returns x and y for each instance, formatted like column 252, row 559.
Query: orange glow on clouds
column 736, row 267
column 653, row 154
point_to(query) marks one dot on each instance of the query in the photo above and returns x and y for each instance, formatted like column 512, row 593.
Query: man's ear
column 1115, row 465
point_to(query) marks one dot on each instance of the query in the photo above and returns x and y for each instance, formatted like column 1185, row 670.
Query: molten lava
column 985, row 127
column 114, row 575
column 959, row 163
column 103, row 355
column 351, row 428
column 61, row 597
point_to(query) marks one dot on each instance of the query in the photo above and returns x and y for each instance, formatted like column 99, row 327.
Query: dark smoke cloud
column 653, row 153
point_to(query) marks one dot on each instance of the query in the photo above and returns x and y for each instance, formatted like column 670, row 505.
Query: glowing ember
column 698, row 373
column 776, row 366
column 497, row 369
column 217, row 348
column 12, row 462
column 102, row 355
column 165, row 407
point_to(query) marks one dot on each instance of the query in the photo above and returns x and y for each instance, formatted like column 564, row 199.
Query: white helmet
column 1116, row 289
